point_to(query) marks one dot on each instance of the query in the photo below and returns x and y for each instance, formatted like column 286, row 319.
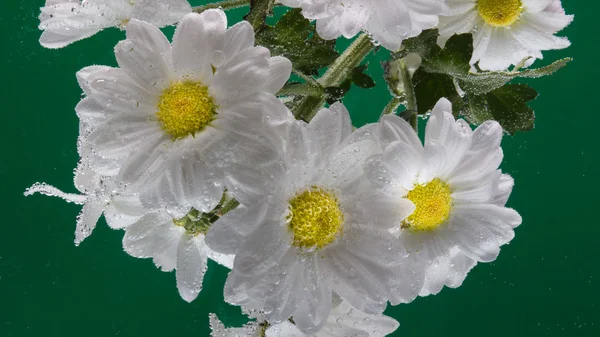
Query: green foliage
column 477, row 95
column 507, row 105
column 295, row 37
column 356, row 76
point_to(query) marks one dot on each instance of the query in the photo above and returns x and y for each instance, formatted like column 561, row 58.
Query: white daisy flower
column 506, row 32
column 98, row 195
column 310, row 228
column 389, row 22
column 344, row 321
column 175, row 244
column 67, row 21
column 456, row 187
column 173, row 115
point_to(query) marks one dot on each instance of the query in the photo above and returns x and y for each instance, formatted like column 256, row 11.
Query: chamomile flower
column 171, row 116
column 98, row 195
column 389, row 22
column 309, row 228
column 457, row 190
column 175, row 244
column 67, row 21
column 507, row 32
column 344, row 321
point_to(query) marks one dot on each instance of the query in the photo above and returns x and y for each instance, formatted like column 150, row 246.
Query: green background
column 545, row 283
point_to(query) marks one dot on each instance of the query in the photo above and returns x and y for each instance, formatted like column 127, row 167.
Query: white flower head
column 457, row 190
column 172, row 115
column 344, row 321
column 175, row 244
column 309, row 228
column 389, row 22
column 98, row 195
column 506, row 32
column 67, row 21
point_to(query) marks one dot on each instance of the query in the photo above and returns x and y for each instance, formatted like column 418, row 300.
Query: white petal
column 160, row 13
column 140, row 238
column 146, row 56
column 237, row 38
column 394, row 128
column 329, row 128
column 403, row 162
column 390, row 23
column 192, row 51
column 243, row 75
column 87, row 219
column 314, row 304
column 263, row 248
column 192, row 255
column 280, row 69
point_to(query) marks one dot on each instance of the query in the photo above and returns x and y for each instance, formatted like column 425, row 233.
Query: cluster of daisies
column 186, row 147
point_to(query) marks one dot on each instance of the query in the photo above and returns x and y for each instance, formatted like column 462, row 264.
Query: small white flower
column 456, row 187
column 172, row 115
column 98, row 195
column 67, row 21
column 389, row 22
column 310, row 228
column 174, row 244
column 218, row 329
column 506, row 32
column 344, row 321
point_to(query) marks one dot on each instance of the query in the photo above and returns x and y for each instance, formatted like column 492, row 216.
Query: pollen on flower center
column 500, row 13
column 433, row 203
column 315, row 218
column 185, row 108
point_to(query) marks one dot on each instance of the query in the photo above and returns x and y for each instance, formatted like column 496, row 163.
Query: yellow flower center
column 315, row 218
column 433, row 204
column 185, row 108
column 500, row 13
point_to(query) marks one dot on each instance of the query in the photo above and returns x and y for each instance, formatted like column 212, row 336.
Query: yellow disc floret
column 500, row 13
column 315, row 218
column 185, row 108
column 433, row 203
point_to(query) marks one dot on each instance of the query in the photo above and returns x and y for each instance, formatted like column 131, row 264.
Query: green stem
column 349, row 60
column 409, row 94
column 297, row 89
column 392, row 106
column 259, row 9
column 334, row 76
column 307, row 78
column 229, row 206
column 225, row 5
column 308, row 107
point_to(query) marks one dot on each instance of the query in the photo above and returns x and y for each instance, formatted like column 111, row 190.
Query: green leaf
column 335, row 94
column 295, row 37
column 429, row 88
column 424, row 45
column 506, row 105
column 360, row 79
column 454, row 60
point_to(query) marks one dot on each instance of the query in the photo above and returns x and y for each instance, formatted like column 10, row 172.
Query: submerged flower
column 67, row 21
column 175, row 244
column 507, row 32
column 98, row 195
column 389, row 22
column 309, row 228
column 344, row 321
column 173, row 115
column 458, row 192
